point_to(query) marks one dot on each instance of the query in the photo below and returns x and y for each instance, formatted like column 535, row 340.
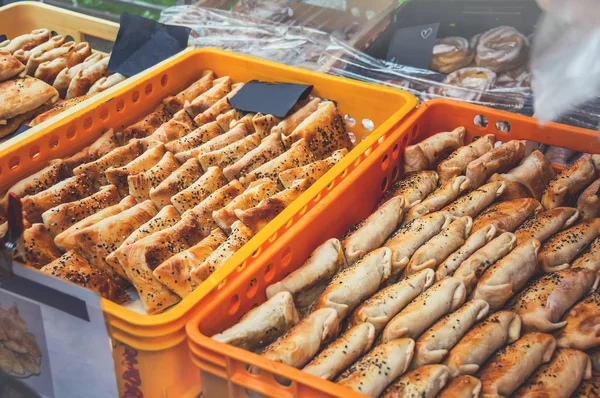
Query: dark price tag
column 413, row 46
column 275, row 99
column 3, row 38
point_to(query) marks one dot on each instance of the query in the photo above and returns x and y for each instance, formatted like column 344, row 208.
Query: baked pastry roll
column 23, row 54
column 514, row 190
column 118, row 175
column 588, row 388
column 220, row 141
column 59, row 107
column 86, row 77
column 543, row 225
column 251, row 197
column 289, row 124
column 590, row 258
column 246, row 120
column 146, row 125
column 557, row 252
column 535, row 172
column 63, row 216
column 69, row 190
column 200, row 136
column 342, row 352
column 502, row 49
column 219, row 107
column 438, row 248
column 264, row 123
column 589, row 201
column 507, row 216
column 451, row 54
column 220, row 88
column 178, row 126
column 560, row 377
column 425, row 382
column 582, row 328
column 303, row 341
column 66, row 76
column 470, row 270
column 371, row 233
column 440, row 299
column 180, row 179
column 542, row 304
column 354, row 284
column 462, row 387
column 194, row 194
column 312, row 171
column 366, row 375
column 498, row 160
column 175, row 272
column 262, row 325
column 240, row 235
column 38, row 248
column 175, row 103
column 308, row 282
column 48, row 70
column 224, row 120
column 141, row 183
column 409, row 237
column 12, row 125
column 568, row 184
column 427, row 153
column 73, row 267
column 476, row 201
column 446, row 193
column 270, row 148
column 476, row 241
column 503, row 279
column 437, row 341
column 227, row 155
column 26, row 41
column 456, row 164
column 324, row 131
column 595, row 357
column 38, row 58
column 10, row 67
column 22, row 95
column 298, row 155
column 66, row 239
column 104, row 83
column 504, row 373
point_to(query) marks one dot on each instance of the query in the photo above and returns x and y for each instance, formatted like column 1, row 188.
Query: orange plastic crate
column 223, row 368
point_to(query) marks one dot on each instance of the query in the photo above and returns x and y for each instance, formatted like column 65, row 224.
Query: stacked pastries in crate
column 163, row 203
column 38, row 69
column 475, row 275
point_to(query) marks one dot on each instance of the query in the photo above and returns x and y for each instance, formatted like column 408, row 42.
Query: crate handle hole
column 135, row 96
column 286, row 257
column 253, row 370
column 103, row 114
column 415, row 132
column 252, row 288
column 164, row 80
column 257, row 252
column 289, row 224
column 148, row 89
column 385, row 162
column 283, row 381
column 120, row 105
column 303, row 210
column 317, row 197
column 14, row 162
column 396, row 152
column 221, row 285
column 71, row 132
column 273, row 237
column 368, row 124
column 235, row 304
column 394, row 173
column 34, row 152
column 269, row 273
column 481, row 121
column 349, row 120
column 241, row 266
column 503, row 126
column 384, row 184
column 53, row 142
column 331, row 185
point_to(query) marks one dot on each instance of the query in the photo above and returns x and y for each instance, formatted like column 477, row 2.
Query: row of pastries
column 42, row 74
column 163, row 203
column 476, row 275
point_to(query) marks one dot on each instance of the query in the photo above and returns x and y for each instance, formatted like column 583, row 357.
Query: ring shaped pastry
column 451, row 54
column 467, row 84
column 502, row 49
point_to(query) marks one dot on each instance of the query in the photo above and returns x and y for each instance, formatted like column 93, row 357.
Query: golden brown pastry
column 104, row 83
column 342, row 352
column 180, row 179
column 66, row 76
column 560, row 377
column 437, row 341
column 146, row 125
column 438, row 248
column 426, row 382
column 514, row 190
column 535, row 172
column 503, row 279
column 22, row 95
column 498, row 160
column 270, row 148
column 543, row 225
column 509, row 368
column 39, row 181
column 23, row 55
column 86, row 77
column 38, row 58
column 440, row 299
column 103, row 145
column 263, row 324
column 557, row 252
column 590, row 258
column 73, row 267
column 451, row 54
column 289, row 124
column 414, row 187
column 312, row 171
column 446, row 193
column 507, row 216
column 38, row 248
column 264, row 123
column 568, row 184
column 246, row 120
column 200, row 136
column 462, row 387
column 589, row 201
column 177, row 127
column 59, row 107
column 308, row 282
column 582, row 329
column 141, row 183
column 219, row 107
column 502, row 49
column 220, row 88
column 118, row 175
column 48, row 70
column 10, row 66
column 27, row 41
column 456, row 164
column 371, row 233
column 229, row 154
column 588, row 388
column 220, row 141
column 427, row 153
column 476, row 201
column 175, row 103
column 224, row 120
column 63, row 216
column 354, row 284
column 194, row 194
column 11, row 125
column 366, row 375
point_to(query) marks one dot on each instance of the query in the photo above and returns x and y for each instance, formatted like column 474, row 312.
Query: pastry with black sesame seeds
column 37, row 247
column 289, row 124
column 145, row 126
column 141, row 183
column 26, row 41
column 180, row 179
column 534, row 171
column 312, row 171
column 220, row 141
column 414, row 187
column 514, row 190
column 10, row 67
column 462, row 387
column 246, row 120
column 264, row 123
column 196, row 138
column 476, row 201
column 118, row 175
column 456, row 164
column 175, row 128
column 582, row 329
column 588, row 388
column 198, row 191
column 224, row 120
column 507, row 216
column 219, row 89
column 219, row 108
column 103, row 145
column 543, row 225
column 443, row 195
column 425, row 382
column 230, row 153
column 589, row 201
column 590, row 258
column 498, row 160
column 426, row 154
column 175, row 103
column 270, row 148
column 566, row 186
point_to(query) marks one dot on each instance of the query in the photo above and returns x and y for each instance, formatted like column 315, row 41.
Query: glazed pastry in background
column 446, row 193
column 342, row 352
column 27, row 41
column 440, row 299
column 558, row 378
column 467, row 84
column 22, row 95
column 289, row 124
column 508, row 369
column 515, row 78
column 366, row 377
column 262, row 325
column 414, row 187
column 24, row 55
column 559, row 155
column 39, row 181
column 180, row 179
column 427, row 153
column 590, row 258
column 507, row 216
column 476, row 201
column 208, row 183
column 462, row 387
column 105, row 83
column 568, row 184
column 534, row 171
column 86, row 77
column 308, row 282
column 48, row 70
column 10, row 67
column 542, row 304
column 588, row 388
column 451, row 54
column 508, row 275
column 64, row 78
column 456, row 164
column 426, row 382
column 501, row 49
column 543, row 225
column 38, row 248
column 356, row 283
column 582, row 328
column 498, row 160
column 371, row 233
column 141, row 183
column 381, row 307
column 557, row 252
column 589, row 201
column 175, row 103
column 312, row 171
column 270, row 148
